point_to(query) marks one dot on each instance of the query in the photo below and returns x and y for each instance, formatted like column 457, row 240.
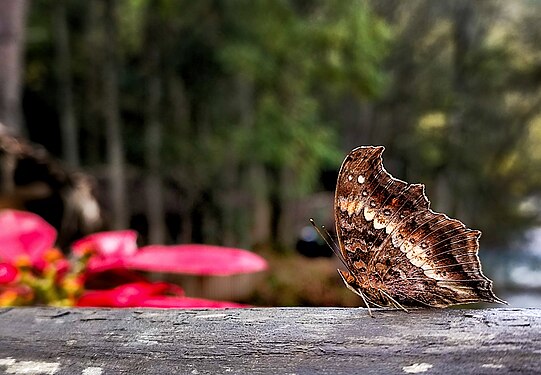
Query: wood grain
column 269, row 341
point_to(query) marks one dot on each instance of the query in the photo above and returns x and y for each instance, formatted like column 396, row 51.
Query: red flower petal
column 8, row 273
column 119, row 243
column 111, row 248
column 127, row 295
column 62, row 266
column 24, row 233
column 98, row 264
column 131, row 299
column 187, row 303
column 196, row 259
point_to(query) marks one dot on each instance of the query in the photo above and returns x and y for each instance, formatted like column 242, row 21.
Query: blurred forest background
column 225, row 122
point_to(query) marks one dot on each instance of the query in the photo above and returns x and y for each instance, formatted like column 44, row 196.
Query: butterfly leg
column 357, row 291
column 395, row 302
column 365, row 302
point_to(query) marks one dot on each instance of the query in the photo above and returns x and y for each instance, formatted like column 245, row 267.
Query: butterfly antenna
column 324, row 230
column 328, row 240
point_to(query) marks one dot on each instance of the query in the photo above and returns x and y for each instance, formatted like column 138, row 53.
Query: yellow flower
column 72, row 285
column 23, row 261
column 52, row 255
column 8, row 298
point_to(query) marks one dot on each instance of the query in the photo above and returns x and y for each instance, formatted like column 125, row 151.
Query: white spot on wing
column 360, row 179
column 406, row 247
column 430, row 273
column 417, row 368
column 396, row 239
column 350, row 177
column 379, row 224
column 369, row 214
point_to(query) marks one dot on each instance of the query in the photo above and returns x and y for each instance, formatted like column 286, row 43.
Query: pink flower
column 118, row 249
column 110, row 260
column 144, row 294
column 116, row 253
column 188, row 303
column 110, row 249
column 196, row 260
column 119, row 243
column 24, row 234
column 127, row 295
column 8, row 273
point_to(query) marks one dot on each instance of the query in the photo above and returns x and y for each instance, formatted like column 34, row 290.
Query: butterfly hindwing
column 395, row 246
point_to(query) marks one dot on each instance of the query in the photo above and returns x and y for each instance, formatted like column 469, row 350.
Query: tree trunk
column 115, row 146
column 12, row 26
column 68, row 126
column 276, row 203
column 467, row 37
column 259, row 185
column 254, row 179
column 154, row 186
column 179, row 117
column 92, row 121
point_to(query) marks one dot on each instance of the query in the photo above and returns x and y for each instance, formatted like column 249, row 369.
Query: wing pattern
column 395, row 247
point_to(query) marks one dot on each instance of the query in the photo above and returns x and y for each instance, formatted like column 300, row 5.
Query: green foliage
column 253, row 75
column 465, row 90
column 285, row 53
column 257, row 97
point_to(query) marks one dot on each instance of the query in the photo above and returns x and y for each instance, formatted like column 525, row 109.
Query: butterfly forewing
column 394, row 245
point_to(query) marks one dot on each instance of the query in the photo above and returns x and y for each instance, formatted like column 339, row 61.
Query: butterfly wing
column 386, row 230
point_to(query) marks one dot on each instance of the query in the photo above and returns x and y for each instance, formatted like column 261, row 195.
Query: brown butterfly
column 398, row 252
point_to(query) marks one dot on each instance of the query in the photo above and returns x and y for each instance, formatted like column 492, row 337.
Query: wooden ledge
column 269, row 341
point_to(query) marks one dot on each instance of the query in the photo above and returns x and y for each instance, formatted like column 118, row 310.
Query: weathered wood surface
column 269, row 341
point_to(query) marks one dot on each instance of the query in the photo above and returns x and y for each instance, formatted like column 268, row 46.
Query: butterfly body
column 398, row 252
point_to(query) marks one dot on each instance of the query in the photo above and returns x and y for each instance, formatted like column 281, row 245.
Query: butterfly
column 397, row 251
